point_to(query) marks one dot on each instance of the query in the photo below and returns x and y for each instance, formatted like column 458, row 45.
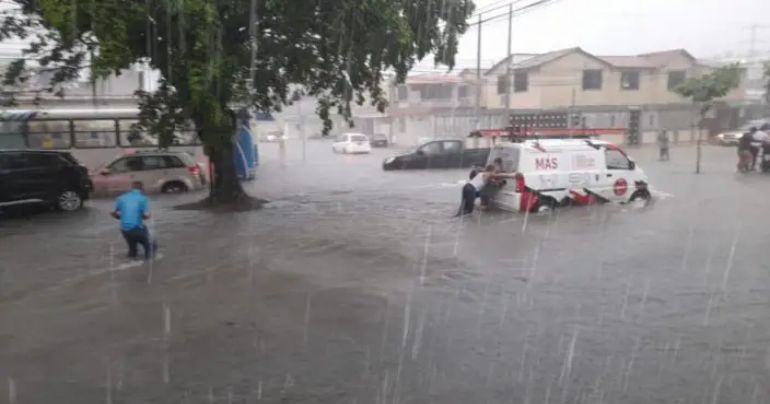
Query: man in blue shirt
column 132, row 209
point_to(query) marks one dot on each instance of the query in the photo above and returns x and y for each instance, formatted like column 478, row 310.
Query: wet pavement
column 356, row 285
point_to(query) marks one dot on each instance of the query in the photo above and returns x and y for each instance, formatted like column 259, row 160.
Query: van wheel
column 174, row 187
column 642, row 194
column 68, row 201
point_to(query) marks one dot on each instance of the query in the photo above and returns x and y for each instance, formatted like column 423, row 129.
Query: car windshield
column 384, row 201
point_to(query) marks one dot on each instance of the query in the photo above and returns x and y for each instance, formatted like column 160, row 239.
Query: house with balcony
column 634, row 92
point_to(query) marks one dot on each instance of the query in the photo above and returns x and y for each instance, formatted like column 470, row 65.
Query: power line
column 499, row 7
column 521, row 10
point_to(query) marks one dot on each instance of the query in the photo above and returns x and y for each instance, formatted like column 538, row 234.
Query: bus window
column 95, row 133
column 132, row 136
column 49, row 135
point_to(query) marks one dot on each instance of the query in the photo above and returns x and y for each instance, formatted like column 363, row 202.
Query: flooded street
column 356, row 285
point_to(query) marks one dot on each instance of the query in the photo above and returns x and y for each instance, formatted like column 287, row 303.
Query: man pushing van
column 473, row 188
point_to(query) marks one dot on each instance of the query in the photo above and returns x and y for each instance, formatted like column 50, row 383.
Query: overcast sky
column 706, row 28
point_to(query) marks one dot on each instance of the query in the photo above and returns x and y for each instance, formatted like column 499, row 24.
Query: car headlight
column 390, row 160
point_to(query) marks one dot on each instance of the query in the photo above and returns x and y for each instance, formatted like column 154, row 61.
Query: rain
column 349, row 268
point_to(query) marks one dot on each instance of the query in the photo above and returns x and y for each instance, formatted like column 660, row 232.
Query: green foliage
column 335, row 50
column 711, row 86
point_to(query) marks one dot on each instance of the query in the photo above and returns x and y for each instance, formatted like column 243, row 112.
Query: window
column 402, row 92
column 133, row 136
column 616, row 160
column 675, row 77
column 435, row 91
column 462, row 91
column 502, row 84
column 49, row 135
column 95, row 133
column 510, row 158
column 358, row 138
column 153, row 163
column 520, row 82
column 12, row 161
column 431, row 148
column 629, row 80
column 451, row 147
column 592, row 79
column 42, row 159
column 612, row 121
column 173, row 162
column 127, row 164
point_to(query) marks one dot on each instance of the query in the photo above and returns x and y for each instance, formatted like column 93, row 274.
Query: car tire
column 640, row 194
column 68, row 200
column 174, row 187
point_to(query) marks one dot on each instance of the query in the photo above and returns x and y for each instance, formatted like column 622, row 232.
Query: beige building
column 574, row 77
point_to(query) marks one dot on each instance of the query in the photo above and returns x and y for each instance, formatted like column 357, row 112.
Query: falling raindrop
column 305, row 329
column 166, row 320
column 644, row 299
column 11, row 391
column 567, row 368
column 424, row 262
column 729, row 265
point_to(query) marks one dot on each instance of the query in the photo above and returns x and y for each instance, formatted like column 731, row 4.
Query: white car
column 553, row 172
column 352, row 143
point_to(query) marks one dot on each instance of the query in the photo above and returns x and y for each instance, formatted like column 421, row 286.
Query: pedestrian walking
column 663, row 144
column 132, row 209
column 745, row 154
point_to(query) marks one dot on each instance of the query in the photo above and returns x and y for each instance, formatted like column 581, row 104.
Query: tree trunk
column 700, row 140
column 226, row 187
column 698, row 152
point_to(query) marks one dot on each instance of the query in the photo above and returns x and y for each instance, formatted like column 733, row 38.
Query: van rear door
column 615, row 184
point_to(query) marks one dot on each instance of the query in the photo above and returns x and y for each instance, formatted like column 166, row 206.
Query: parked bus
column 93, row 136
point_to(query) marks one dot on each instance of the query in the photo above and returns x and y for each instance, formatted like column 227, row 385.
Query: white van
column 553, row 172
column 352, row 143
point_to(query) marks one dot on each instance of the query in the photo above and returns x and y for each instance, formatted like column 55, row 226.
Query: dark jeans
column 664, row 153
column 135, row 237
column 469, row 198
column 754, row 153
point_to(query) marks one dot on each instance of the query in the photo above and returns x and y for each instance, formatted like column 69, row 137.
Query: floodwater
column 356, row 285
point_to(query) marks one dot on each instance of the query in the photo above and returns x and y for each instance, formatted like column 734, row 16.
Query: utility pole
column 753, row 41
column 508, row 78
column 478, row 78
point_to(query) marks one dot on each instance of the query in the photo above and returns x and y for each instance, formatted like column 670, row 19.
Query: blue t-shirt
column 132, row 206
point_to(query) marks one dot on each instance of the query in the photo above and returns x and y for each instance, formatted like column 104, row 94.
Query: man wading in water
column 132, row 209
column 473, row 187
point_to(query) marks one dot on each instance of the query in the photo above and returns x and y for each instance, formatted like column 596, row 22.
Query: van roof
column 556, row 145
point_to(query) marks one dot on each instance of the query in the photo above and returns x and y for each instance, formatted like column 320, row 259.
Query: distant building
column 574, row 77
column 631, row 92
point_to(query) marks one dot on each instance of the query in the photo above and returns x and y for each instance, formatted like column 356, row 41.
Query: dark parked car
column 379, row 140
column 49, row 177
column 438, row 154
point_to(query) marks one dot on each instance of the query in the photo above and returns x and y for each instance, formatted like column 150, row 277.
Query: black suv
column 36, row 176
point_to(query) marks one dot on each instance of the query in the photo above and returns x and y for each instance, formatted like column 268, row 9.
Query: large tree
column 218, row 56
column 704, row 90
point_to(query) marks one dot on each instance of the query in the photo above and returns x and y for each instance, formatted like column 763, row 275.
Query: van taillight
column 519, row 182
column 194, row 170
